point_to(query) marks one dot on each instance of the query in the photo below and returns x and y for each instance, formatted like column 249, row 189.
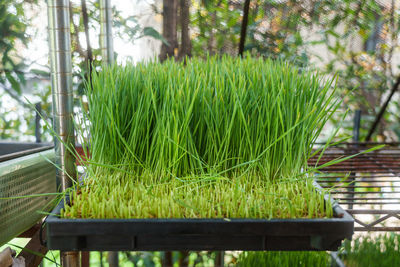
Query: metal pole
column 106, row 43
column 356, row 126
column 382, row 110
column 243, row 30
column 70, row 259
column 112, row 259
column 61, row 83
column 219, row 259
column 356, row 139
column 38, row 108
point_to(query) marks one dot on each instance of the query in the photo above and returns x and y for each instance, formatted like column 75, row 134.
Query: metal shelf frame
column 367, row 186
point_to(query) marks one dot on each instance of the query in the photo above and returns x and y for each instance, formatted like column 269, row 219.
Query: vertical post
column 356, row 126
column 112, row 259
column 219, row 259
column 106, row 43
column 243, row 29
column 70, row 259
column 356, row 139
column 382, row 110
column 61, row 83
column 38, row 108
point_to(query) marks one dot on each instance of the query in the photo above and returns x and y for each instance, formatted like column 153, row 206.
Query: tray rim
column 342, row 216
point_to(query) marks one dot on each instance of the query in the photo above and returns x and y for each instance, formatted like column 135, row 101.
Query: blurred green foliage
column 356, row 39
column 12, row 31
column 16, row 72
column 17, row 121
column 372, row 250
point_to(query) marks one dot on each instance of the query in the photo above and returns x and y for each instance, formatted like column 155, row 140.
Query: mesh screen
column 358, row 40
column 277, row 23
column 24, row 176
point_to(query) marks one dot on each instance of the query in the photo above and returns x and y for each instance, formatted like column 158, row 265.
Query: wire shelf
column 367, row 186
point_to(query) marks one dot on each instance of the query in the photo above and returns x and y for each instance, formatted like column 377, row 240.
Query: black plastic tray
column 197, row 234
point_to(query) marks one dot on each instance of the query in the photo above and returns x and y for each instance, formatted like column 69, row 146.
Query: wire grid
column 273, row 25
column 367, row 186
column 21, row 178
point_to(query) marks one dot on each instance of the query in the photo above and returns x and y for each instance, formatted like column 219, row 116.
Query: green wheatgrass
column 249, row 196
column 221, row 137
column 379, row 250
column 284, row 259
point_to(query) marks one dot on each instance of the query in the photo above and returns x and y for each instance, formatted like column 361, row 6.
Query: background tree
column 169, row 29
column 185, row 48
column 175, row 29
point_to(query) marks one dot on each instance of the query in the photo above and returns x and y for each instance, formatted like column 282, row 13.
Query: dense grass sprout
column 220, row 137
column 208, row 116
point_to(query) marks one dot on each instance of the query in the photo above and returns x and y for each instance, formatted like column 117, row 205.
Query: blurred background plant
column 356, row 39
column 16, row 115
column 25, row 80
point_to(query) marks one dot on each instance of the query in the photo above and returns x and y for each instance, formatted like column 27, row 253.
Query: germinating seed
column 221, row 137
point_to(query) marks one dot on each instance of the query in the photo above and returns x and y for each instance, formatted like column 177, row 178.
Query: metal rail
column 106, row 42
column 368, row 185
column 61, row 84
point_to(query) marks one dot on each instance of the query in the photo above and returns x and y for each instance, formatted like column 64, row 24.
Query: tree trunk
column 186, row 45
column 89, row 54
column 170, row 12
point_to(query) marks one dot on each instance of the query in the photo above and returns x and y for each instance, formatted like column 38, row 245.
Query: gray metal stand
column 61, row 83
column 106, row 42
